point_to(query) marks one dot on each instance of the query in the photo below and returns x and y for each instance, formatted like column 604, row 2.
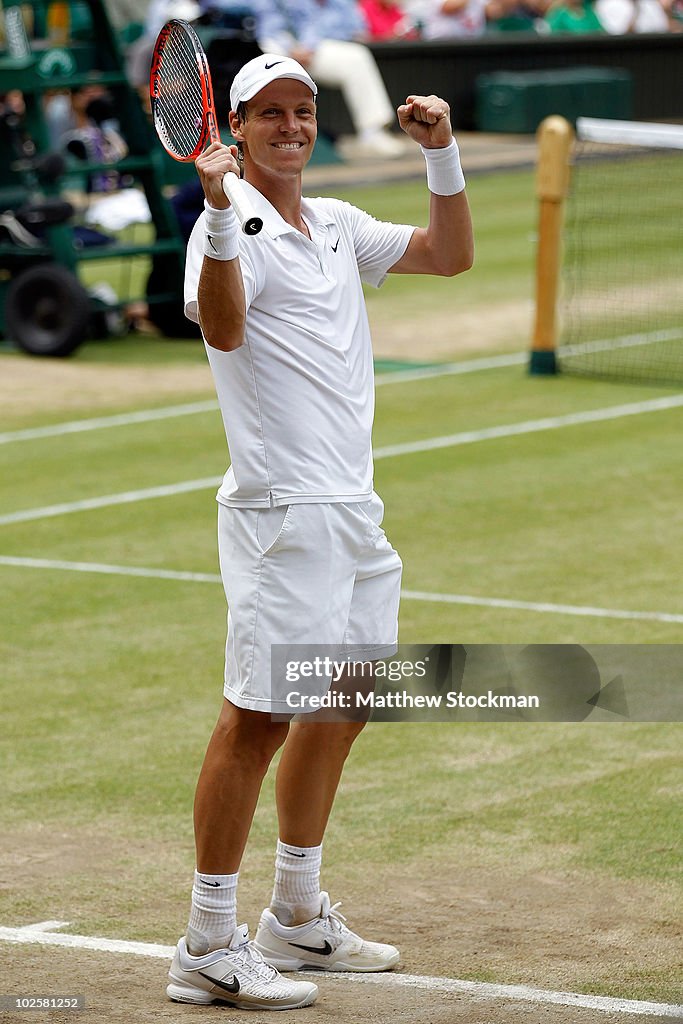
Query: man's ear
column 235, row 126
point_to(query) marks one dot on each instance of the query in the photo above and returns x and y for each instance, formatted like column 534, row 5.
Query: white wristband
column 221, row 233
column 444, row 173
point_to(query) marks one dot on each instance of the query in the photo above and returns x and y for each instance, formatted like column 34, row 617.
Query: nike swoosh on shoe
column 321, row 950
column 229, row 986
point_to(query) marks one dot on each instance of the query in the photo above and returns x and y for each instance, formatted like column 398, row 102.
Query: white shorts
column 300, row 574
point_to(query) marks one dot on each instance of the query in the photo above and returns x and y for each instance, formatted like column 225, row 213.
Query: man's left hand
column 427, row 120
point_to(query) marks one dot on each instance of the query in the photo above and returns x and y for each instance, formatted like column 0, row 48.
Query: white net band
column 630, row 133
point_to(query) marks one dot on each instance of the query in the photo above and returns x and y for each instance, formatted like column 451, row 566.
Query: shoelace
column 335, row 919
column 252, row 960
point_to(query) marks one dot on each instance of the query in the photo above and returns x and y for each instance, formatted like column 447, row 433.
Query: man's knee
column 336, row 735
column 251, row 733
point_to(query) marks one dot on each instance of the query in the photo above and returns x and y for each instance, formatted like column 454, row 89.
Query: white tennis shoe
column 323, row 944
column 237, row 975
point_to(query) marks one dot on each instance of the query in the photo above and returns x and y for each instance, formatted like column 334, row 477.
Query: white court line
column 42, row 935
column 105, row 500
column 539, row 606
column 100, row 422
column 625, row 341
column 451, row 369
column 392, row 377
column 111, row 570
column 407, row 595
column 428, row 444
column 572, row 419
column 189, row 409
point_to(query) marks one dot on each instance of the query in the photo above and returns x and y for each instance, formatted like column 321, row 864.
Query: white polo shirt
column 297, row 398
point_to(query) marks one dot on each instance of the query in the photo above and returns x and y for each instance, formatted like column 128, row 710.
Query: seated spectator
column 161, row 11
column 139, row 54
column 83, row 123
column 123, row 13
column 576, row 16
column 619, row 17
column 324, row 35
column 387, row 19
column 447, row 19
column 516, row 15
column 224, row 13
column 15, row 141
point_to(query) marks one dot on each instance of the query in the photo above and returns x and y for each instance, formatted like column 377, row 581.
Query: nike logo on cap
column 228, row 986
column 320, row 950
column 269, row 66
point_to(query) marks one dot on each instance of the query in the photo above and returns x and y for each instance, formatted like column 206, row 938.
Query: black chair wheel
column 47, row 311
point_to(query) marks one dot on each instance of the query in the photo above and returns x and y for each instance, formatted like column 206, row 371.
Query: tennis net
column 622, row 310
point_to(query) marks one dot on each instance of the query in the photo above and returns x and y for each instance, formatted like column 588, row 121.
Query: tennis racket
column 183, row 109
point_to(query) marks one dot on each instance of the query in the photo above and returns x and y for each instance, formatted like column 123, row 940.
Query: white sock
column 213, row 914
column 296, row 893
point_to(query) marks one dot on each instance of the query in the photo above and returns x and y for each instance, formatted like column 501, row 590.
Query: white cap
column 261, row 71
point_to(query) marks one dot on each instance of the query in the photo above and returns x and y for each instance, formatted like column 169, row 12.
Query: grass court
column 542, row 855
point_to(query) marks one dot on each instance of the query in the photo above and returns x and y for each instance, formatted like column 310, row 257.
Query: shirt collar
column 274, row 224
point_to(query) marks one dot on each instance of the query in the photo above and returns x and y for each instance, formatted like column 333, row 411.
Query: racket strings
column 179, row 101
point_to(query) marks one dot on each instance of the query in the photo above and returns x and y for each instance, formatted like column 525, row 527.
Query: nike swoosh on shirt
column 334, row 247
column 269, row 66
column 321, row 950
column 228, row 986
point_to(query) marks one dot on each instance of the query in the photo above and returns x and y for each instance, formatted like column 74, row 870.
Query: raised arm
column 220, row 297
column 446, row 246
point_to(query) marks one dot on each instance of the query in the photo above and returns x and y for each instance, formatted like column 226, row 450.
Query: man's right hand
column 214, row 163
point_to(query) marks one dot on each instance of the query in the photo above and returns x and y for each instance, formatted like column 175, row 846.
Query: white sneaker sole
column 187, row 994
column 285, row 964
column 182, row 993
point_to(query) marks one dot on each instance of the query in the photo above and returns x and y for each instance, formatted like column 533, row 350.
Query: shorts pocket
column 271, row 525
column 373, row 509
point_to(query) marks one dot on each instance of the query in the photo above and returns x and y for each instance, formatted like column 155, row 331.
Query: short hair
column 241, row 117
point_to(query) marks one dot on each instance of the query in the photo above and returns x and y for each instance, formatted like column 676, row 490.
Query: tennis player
column 303, row 556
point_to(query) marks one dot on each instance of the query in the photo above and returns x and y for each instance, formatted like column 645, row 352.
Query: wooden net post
column 555, row 137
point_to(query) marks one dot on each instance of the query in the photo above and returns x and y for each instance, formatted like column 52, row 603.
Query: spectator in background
column 161, row 11
column 447, row 19
column 387, row 19
column 575, row 16
column 139, row 54
column 517, row 15
column 126, row 12
column 83, row 123
column 15, row 141
column 224, row 13
column 324, row 36
column 619, row 17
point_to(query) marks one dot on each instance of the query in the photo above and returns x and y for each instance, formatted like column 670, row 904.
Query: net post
column 555, row 136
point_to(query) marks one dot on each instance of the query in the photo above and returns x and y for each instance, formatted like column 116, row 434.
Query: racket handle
column 237, row 194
